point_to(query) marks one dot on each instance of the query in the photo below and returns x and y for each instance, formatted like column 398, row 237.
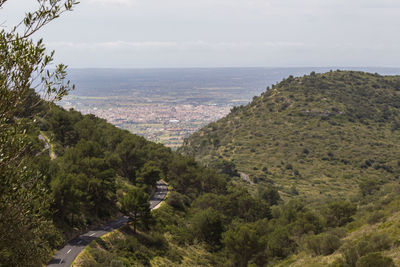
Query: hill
column 63, row 172
column 319, row 136
column 210, row 218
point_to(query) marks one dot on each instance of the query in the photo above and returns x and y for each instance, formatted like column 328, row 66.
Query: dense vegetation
column 211, row 217
column 62, row 172
column 329, row 141
column 27, row 232
column 97, row 166
column 327, row 144
column 319, row 135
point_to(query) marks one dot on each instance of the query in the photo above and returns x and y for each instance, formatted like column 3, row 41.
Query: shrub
column 280, row 244
column 352, row 252
column 269, row 194
column 375, row 217
column 154, row 240
column 330, row 243
column 324, row 244
column 339, row 213
column 380, row 241
column 375, row 259
column 176, row 200
column 207, row 226
column 368, row 187
column 174, row 256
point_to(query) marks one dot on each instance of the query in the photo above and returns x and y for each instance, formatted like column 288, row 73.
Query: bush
column 368, row 187
column 176, row 200
column 280, row 244
column 339, row 213
column 174, row 256
column 375, row 217
column 269, row 194
column 289, row 166
column 330, row 243
column 352, row 252
column 324, row 244
column 350, row 255
column 380, row 242
column 207, row 225
column 375, row 259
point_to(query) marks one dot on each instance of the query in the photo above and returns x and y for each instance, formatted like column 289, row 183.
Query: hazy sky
column 222, row 33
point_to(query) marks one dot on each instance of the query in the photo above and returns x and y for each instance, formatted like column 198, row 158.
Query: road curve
column 47, row 145
column 66, row 255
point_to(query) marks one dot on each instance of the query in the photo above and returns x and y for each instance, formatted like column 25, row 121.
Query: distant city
column 167, row 105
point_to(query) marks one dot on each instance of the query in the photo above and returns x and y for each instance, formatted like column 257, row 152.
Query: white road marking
column 121, row 221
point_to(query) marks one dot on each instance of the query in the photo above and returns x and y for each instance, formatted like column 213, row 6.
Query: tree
column 130, row 157
column 207, row 225
column 242, row 243
column 269, row 194
column 24, row 201
column 280, row 244
column 67, row 195
column 149, row 174
column 135, row 204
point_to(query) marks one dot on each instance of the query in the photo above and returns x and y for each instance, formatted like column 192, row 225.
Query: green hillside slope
column 319, row 136
column 48, row 200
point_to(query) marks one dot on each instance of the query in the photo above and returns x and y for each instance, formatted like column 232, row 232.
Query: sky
column 221, row 33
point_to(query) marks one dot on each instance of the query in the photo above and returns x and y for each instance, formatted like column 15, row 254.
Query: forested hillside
column 329, row 140
column 320, row 135
column 94, row 167
column 62, row 172
column 211, row 217
column 229, row 222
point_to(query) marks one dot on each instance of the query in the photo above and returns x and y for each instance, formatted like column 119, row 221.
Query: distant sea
column 243, row 83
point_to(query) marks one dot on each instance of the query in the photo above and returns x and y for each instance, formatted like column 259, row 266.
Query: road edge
column 109, row 233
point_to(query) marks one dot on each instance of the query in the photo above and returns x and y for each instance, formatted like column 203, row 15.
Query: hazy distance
column 167, row 105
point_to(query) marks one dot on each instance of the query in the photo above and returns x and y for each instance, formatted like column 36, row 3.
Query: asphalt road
column 159, row 194
column 66, row 255
column 47, row 146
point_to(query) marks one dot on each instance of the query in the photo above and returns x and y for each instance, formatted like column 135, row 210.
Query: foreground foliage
column 27, row 233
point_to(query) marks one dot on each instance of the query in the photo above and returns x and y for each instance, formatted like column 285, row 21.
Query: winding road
column 66, row 255
column 47, row 145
